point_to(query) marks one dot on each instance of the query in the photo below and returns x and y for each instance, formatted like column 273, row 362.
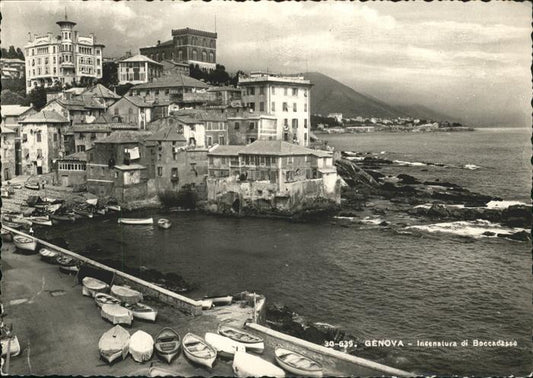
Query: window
column 39, row 153
column 252, row 125
column 261, row 90
column 305, row 137
column 237, row 125
column 273, row 106
column 294, row 107
column 261, row 106
column 38, row 136
column 305, row 107
column 273, row 90
column 295, row 123
column 251, row 105
column 24, row 137
column 286, row 123
column 305, row 123
column 160, row 171
column 55, row 137
column 174, row 172
column 80, row 148
column 221, row 140
column 285, row 107
column 251, row 91
column 285, row 91
column 295, row 91
column 209, row 141
column 305, row 92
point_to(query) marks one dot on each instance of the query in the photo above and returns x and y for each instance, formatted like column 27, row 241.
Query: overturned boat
column 116, row 314
column 247, row 365
column 141, row 346
column 224, row 346
column 126, row 295
column 92, row 286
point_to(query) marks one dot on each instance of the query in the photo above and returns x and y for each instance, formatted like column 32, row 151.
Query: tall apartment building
column 285, row 97
column 187, row 45
column 63, row 58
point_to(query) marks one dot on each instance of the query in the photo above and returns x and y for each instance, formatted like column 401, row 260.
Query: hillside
column 331, row 96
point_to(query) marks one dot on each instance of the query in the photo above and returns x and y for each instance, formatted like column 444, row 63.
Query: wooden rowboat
column 11, row 224
column 92, row 286
column 167, row 344
column 103, row 298
column 14, row 345
column 136, row 221
column 224, row 346
column 297, row 363
column 126, row 295
column 141, row 346
column 63, row 218
column 143, row 311
column 164, row 223
column 32, row 186
column 247, row 365
column 48, row 255
column 25, row 243
column 114, row 344
column 251, row 342
column 198, row 350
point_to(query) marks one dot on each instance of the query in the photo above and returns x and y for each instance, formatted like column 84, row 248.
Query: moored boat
column 251, row 342
column 116, row 314
column 25, row 243
column 32, row 186
column 126, row 295
column 141, row 346
column 83, row 213
column 6, row 236
column 48, row 255
column 103, row 298
column 67, row 264
column 92, row 286
column 247, row 365
column 42, row 221
column 136, row 221
column 221, row 301
column 14, row 345
column 297, row 363
column 114, row 343
column 164, row 223
column 143, row 311
column 63, row 217
column 11, row 224
column 167, row 344
column 224, row 346
column 198, row 350
column 113, row 207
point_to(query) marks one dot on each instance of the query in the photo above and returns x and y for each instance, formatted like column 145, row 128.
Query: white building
column 138, row 69
column 63, row 58
column 285, row 97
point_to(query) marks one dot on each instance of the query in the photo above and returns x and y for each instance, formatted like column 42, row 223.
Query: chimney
column 158, row 42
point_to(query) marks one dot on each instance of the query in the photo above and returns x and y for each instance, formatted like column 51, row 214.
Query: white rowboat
column 136, row 221
column 251, row 342
column 198, row 350
column 164, row 223
column 297, row 363
column 48, row 255
column 141, row 346
column 143, row 311
column 25, row 243
column 14, row 346
column 221, row 301
column 114, row 344
column 102, row 299
column 247, row 365
column 224, row 346
column 42, row 221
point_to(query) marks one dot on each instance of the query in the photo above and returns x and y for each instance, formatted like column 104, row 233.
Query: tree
column 37, row 97
column 123, row 89
column 235, row 79
column 9, row 97
column 20, row 54
column 109, row 74
column 219, row 75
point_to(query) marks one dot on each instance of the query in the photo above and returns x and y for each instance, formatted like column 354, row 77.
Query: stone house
column 136, row 111
column 247, row 127
column 72, row 170
column 8, row 153
column 271, row 176
column 101, row 94
column 177, row 163
column 168, row 88
column 76, row 109
column 193, row 129
column 42, row 141
column 120, row 166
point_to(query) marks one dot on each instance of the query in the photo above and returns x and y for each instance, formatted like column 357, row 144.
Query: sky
column 470, row 60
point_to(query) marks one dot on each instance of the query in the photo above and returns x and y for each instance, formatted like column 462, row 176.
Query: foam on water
column 409, row 163
column 504, row 204
column 475, row 229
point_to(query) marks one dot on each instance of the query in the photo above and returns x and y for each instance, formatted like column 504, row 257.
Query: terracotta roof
column 168, row 133
column 279, row 148
column 178, row 80
column 141, row 103
column 229, row 150
column 99, row 91
column 13, row 110
column 45, row 116
column 118, row 137
column 81, row 102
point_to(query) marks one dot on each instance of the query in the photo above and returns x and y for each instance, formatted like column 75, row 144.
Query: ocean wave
column 369, row 220
column 409, row 163
column 472, row 167
column 477, row 229
column 504, row 204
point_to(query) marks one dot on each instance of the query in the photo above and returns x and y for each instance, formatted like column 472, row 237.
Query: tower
column 66, row 57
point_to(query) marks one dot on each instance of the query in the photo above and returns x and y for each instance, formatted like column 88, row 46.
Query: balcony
column 174, row 178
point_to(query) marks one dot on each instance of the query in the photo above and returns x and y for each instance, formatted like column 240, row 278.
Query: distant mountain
column 331, row 96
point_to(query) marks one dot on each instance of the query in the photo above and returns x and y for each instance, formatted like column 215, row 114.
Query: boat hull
column 251, row 342
column 246, row 365
column 14, row 346
column 135, row 221
column 224, row 346
column 92, row 286
column 144, row 312
column 291, row 368
column 164, row 223
column 141, row 346
column 48, row 256
column 101, row 299
column 114, row 344
column 193, row 355
column 167, row 344
column 24, row 243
